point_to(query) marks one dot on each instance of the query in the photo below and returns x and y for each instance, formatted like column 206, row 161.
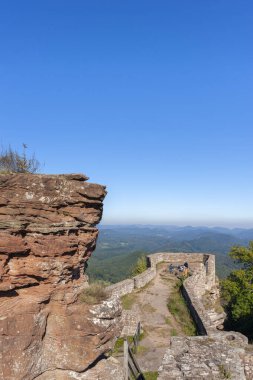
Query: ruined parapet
column 199, row 263
column 47, row 234
column 203, row 303
column 209, row 262
column 144, row 278
column 127, row 286
column 217, row 354
column 214, row 355
column 121, row 288
column 200, row 289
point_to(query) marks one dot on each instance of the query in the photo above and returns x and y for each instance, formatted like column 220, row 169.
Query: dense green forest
column 237, row 292
column 119, row 247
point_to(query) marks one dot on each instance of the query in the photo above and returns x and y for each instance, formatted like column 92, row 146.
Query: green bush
column 237, row 292
column 140, row 266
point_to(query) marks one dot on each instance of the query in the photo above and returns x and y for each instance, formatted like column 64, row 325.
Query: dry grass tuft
column 94, row 294
column 178, row 308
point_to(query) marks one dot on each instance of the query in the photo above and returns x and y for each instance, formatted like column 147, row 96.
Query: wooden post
column 125, row 360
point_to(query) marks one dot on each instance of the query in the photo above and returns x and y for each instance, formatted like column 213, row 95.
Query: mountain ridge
column 120, row 246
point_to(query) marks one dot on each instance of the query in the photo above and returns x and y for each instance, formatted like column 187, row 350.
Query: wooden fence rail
column 136, row 339
column 132, row 370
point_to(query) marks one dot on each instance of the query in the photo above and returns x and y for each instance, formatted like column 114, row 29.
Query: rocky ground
column 150, row 305
column 216, row 357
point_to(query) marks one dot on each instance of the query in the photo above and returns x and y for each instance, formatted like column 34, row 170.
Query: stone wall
column 127, row 286
column 197, row 261
column 197, row 291
column 194, row 288
column 121, row 288
column 201, row 283
column 177, row 258
column 144, row 278
column 214, row 355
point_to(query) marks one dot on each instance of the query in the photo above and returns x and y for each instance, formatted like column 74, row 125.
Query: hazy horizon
column 182, row 224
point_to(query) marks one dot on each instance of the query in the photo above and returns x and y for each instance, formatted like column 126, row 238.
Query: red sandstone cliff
column 47, row 233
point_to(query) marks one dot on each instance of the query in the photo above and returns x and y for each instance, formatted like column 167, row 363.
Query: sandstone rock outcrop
column 47, row 234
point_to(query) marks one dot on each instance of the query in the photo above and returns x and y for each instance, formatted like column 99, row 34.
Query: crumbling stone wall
column 199, row 263
column 201, row 284
column 217, row 354
column 202, row 281
column 214, row 355
column 121, row 288
column 144, row 278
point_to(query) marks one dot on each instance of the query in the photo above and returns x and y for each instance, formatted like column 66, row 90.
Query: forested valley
column 119, row 247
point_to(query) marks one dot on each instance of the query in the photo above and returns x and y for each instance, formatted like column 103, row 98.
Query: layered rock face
column 47, row 234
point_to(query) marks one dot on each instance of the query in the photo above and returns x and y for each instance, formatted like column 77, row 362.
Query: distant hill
column 119, row 247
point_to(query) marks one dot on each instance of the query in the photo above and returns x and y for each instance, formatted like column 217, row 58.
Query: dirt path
column 156, row 320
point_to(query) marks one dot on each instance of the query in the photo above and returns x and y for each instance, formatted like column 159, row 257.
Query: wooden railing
column 132, row 370
column 136, row 339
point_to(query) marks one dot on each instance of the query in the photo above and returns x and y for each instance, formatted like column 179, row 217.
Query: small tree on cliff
column 140, row 266
column 13, row 162
column 237, row 291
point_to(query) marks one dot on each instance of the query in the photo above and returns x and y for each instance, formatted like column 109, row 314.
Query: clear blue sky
column 151, row 98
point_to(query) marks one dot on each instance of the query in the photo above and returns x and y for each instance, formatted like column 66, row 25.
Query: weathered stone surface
column 47, row 228
column 130, row 320
column 122, row 288
column 215, row 357
column 109, row 369
column 47, row 233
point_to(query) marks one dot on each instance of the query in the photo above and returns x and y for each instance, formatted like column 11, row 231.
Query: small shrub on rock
column 13, row 162
column 140, row 266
